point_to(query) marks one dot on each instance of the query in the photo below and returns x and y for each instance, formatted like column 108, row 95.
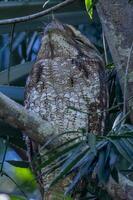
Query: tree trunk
column 117, row 21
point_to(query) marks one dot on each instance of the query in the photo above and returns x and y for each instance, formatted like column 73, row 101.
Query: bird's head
column 58, row 41
column 63, row 40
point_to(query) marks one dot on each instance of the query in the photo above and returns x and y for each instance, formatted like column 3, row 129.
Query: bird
column 66, row 85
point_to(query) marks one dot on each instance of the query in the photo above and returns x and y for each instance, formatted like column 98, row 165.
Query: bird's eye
column 79, row 40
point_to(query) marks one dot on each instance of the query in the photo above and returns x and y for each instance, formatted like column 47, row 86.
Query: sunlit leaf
column 89, row 7
column 14, row 197
column 25, row 176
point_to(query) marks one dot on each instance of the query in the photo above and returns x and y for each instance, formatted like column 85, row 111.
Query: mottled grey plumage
column 68, row 72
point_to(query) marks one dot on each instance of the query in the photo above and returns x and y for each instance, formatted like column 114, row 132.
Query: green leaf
column 112, row 158
column 53, row 151
column 120, row 148
column 14, row 197
column 84, row 169
column 53, row 139
column 92, row 142
column 127, row 146
column 68, row 167
column 108, row 150
column 101, row 172
column 130, row 140
column 89, row 7
column 110, row 66
column 114, row 174
column 21, row 164
column 56, row 155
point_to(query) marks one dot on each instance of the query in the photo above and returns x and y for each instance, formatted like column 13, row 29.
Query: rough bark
column 117, row 21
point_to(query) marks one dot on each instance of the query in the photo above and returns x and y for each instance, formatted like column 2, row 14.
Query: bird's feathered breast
column 68, row 74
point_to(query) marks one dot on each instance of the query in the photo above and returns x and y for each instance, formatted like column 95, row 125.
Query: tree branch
column 18, row 117
column 36, row 15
